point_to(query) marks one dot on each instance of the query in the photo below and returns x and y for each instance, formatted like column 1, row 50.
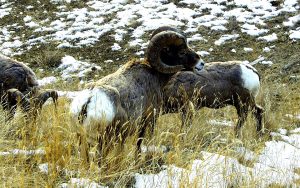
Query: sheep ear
column 157, row 44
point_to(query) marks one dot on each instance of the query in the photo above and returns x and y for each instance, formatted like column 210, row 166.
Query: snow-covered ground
column 277, row 162
column 79, row 27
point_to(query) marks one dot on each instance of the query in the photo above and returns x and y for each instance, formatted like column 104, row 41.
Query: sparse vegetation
column 57, row 135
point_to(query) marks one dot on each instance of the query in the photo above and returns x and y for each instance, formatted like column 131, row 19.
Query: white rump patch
column 79, row 100
column 99, row 107
column 250, row 78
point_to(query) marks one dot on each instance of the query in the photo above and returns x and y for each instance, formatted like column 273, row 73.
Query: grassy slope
column 55, row 133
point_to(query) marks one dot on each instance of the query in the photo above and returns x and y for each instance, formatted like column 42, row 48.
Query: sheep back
column 138, row 85
column 217, row 80
column 14, row 74
column 134, row 88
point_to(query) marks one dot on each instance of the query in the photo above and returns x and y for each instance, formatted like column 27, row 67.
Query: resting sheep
column 125, row 101
column 18, row 84
column 216, row 85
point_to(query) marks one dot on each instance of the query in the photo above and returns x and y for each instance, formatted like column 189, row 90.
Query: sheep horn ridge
column 159, row 42
column 166, row 28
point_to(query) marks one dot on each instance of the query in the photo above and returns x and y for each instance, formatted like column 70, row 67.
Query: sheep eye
column 166, row 49
column 182, row 53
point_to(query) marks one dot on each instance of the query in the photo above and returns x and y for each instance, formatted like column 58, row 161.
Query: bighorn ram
column 132, row 93
column 216, row 85
column 18, row 84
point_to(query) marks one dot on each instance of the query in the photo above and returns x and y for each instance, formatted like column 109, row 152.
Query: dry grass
column 55, row 133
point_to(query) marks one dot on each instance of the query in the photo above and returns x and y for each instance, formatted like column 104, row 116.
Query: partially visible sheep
column 14, row 74
column 18, row 84
column 125, row 101
column 11, row 98
column 216, row 85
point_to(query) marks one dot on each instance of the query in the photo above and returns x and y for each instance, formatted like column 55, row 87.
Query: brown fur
column 14, row 74
column 218, row 85
column 136, row 89
column 18, row 80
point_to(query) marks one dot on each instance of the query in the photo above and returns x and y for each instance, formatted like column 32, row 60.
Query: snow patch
column 203, row 53
column 44, row 168
column 248, row 49
column 266, row 49
column 116, row 47
column 72, row 67
column 226, row 123
column 23, row 152
column 252, row 30
column 292, row 21
column 269, row 38
column 295, row 34
column 47, row 80
column 261, row 60
column 225, row 38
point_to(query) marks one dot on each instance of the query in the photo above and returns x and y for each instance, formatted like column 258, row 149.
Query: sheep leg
column 12, row 98
column 242, row 113
column 112, row 134
column 84, row 148
column 141, row 134
column 258, row 113
column 150, row 121
column 11, row 112
column 102, row 148
column 1, row 93
column 105, row 140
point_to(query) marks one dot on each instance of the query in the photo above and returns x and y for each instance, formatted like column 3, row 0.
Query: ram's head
column 168, row 51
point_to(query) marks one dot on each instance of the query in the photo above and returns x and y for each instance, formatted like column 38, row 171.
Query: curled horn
column 160, row 41
column 165, row 28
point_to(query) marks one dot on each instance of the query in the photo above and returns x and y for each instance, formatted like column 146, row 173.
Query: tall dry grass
column 57, row 134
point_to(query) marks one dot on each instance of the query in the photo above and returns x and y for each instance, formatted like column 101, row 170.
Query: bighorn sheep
column 18, row 84
column 213, row 85
column 132, row 93
column 216, row 85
